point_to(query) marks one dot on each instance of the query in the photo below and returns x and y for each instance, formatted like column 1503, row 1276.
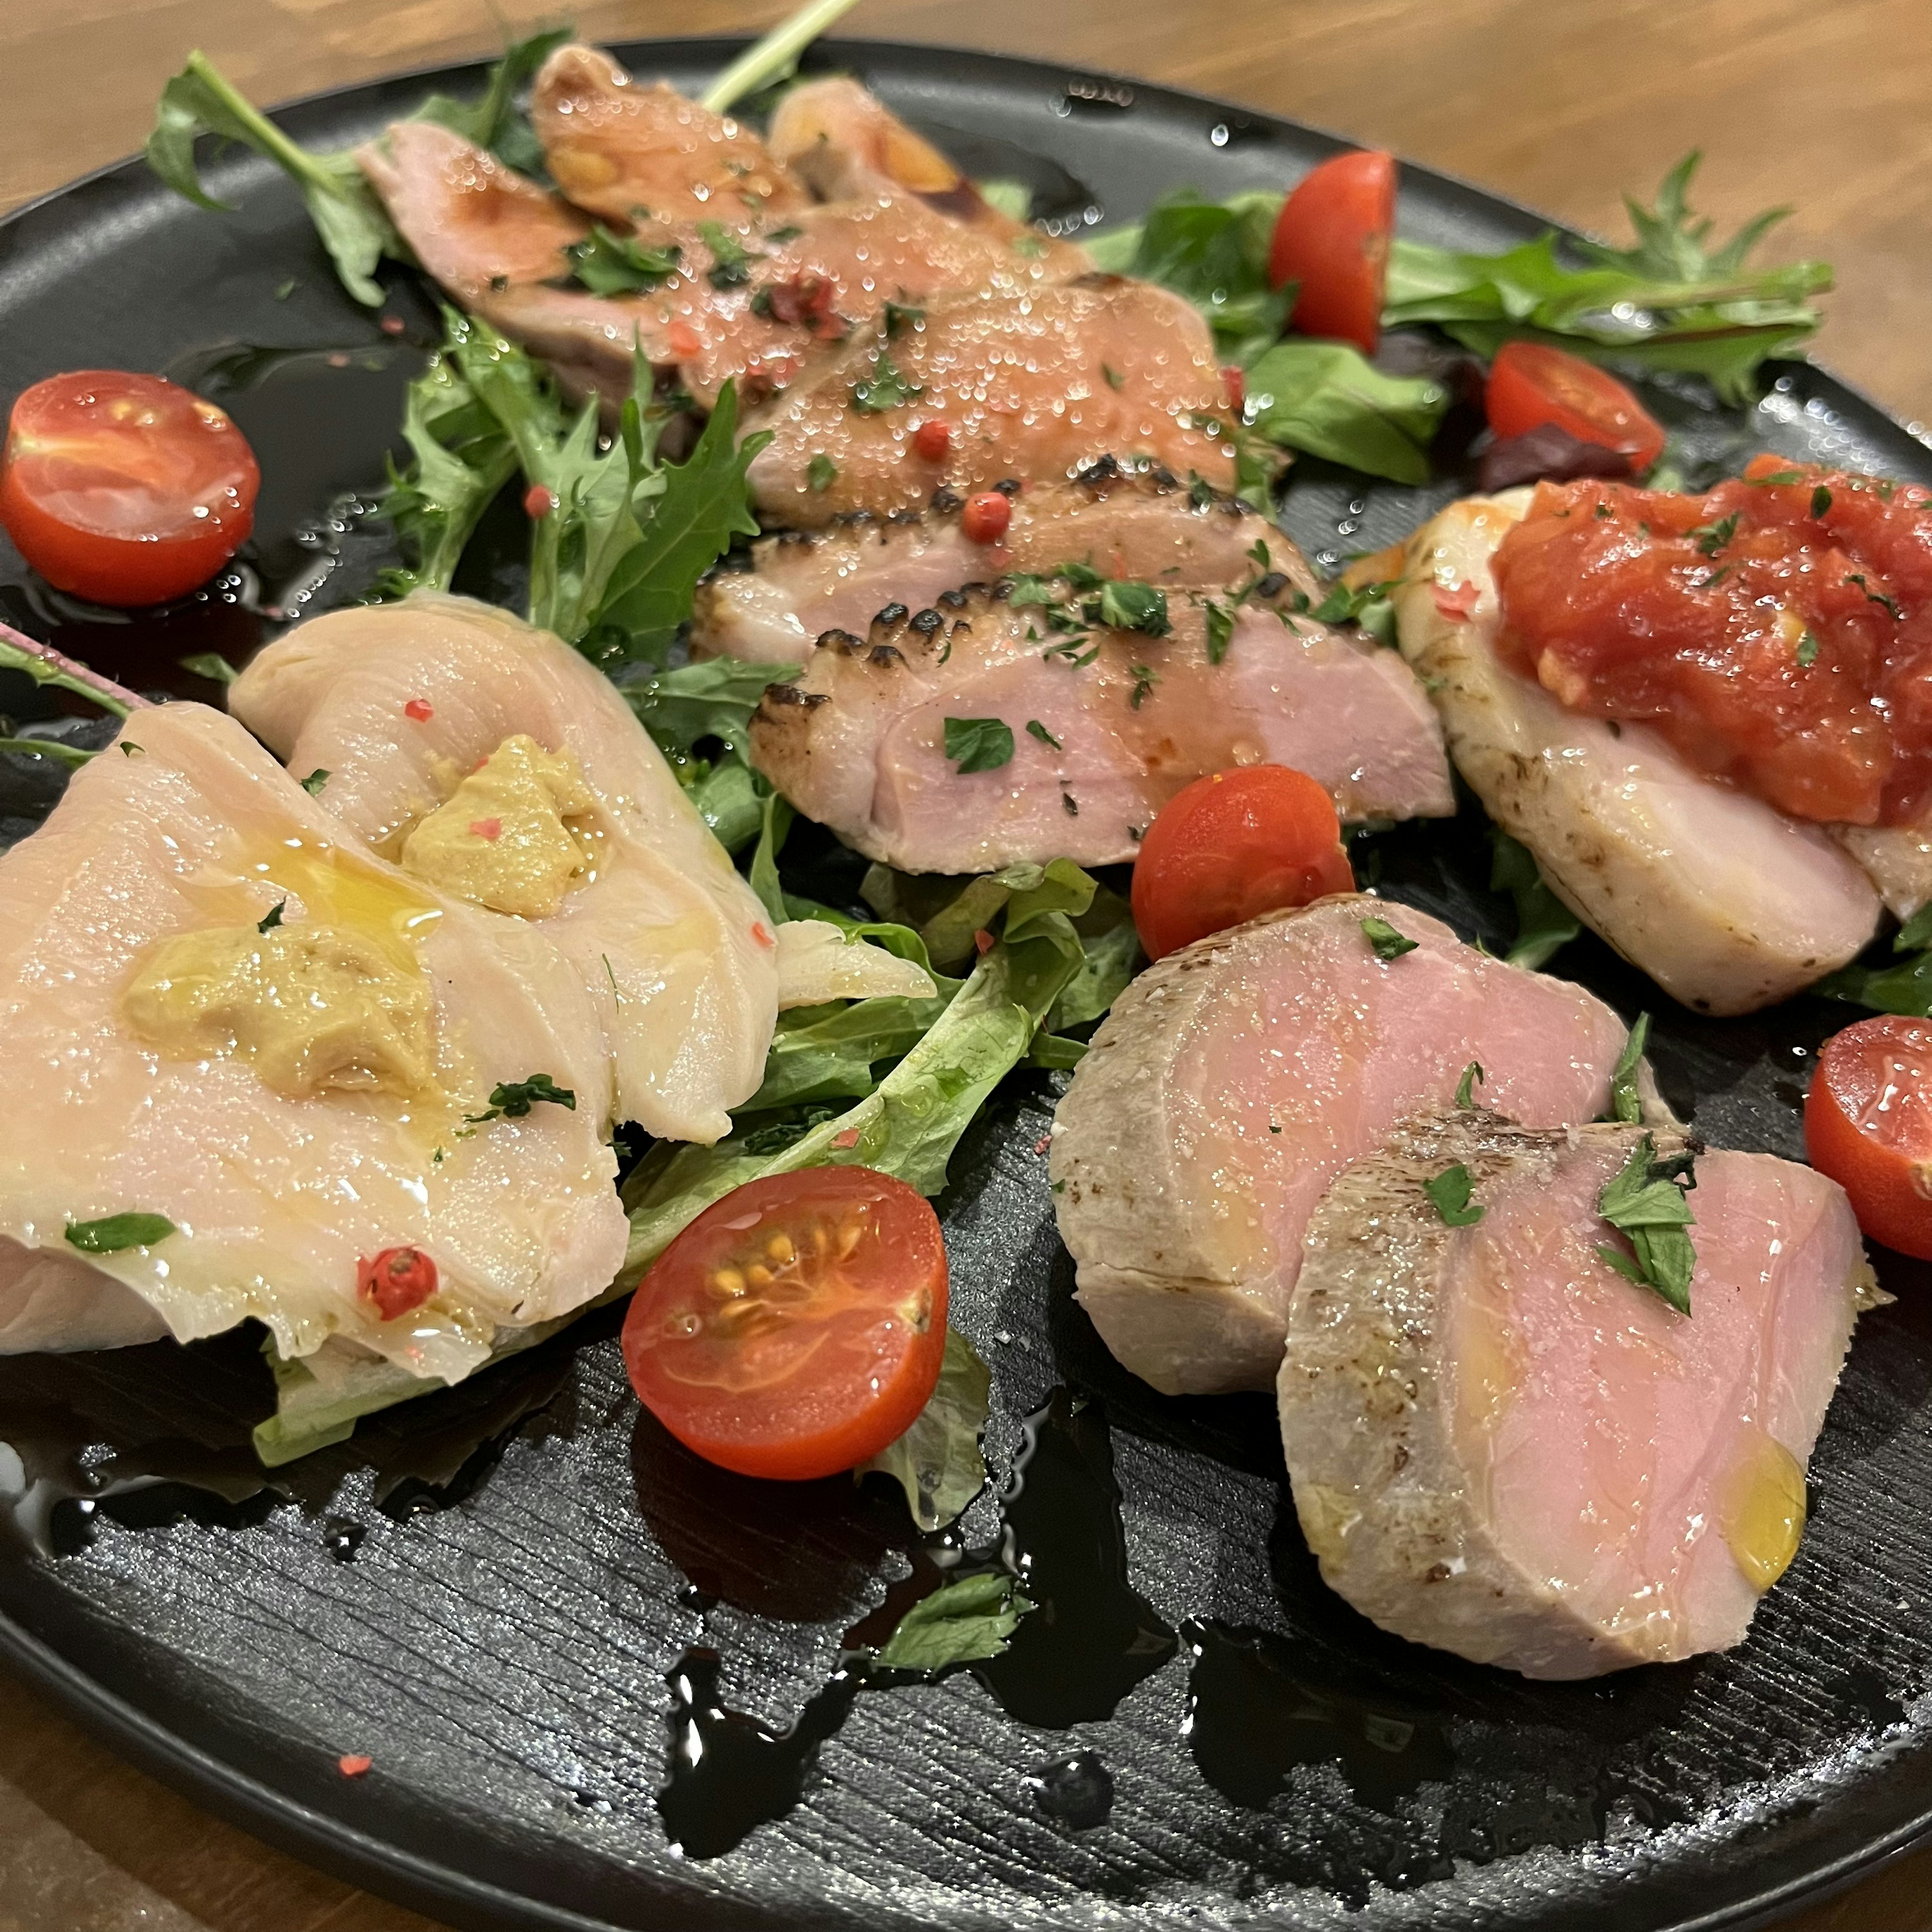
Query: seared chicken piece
column 1727, row 904
column 1133, row 523
column 1106, row 726
column 640, row 155
column 1235, row 1078
column 1038, row 385
column 496, row 760
column 246, row 1022
column 1501, row 1446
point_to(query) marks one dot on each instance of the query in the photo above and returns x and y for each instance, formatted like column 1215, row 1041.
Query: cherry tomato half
column 124, row 489
column 1868, row 1125
column 797, row 1326
column 1531, row 385
column 1332, row 237
column 1231, row 846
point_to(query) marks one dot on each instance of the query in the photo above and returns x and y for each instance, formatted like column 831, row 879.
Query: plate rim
column 345, row 1851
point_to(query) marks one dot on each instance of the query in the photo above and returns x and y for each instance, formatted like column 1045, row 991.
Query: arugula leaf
column 619, row 265
column 460, row 456
column 1626, row 1103
column 1389, row 944
column 348, row 215
column 1644, row 1202
column 495, row 121
column 979, row 744
column 937, row 1462
column 1215, row 254
column 1326, row 397
column 1544, row 923
column 885, row 389
column 962, row 1622
column 512, row 1099
column 711, row 698
column 1449, row 1195
column 1672, row 302
column 113, row 1234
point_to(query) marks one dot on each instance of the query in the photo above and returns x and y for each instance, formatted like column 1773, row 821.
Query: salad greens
column 962, row 1622
column 1902, row 985
column 1328, row 399
column 937, row 1462
column 1544, row 923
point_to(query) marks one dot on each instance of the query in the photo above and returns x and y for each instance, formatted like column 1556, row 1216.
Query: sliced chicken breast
column 1234, row 1079
column 247, row 1022
column 1133, row 522
column 52, row 1303
column 1727, row 904
column 400, row 704
column 1034, row 385
column 1502, row 1447
column 1099, row 743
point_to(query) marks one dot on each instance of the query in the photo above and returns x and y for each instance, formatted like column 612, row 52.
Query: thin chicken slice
column 1727, row 904
column 1104, row 728
column 1037, row 385
column 1234, row 1079
column 1501, row 1446
column 399, row 704
column 1136, row 522
column 327, row 1100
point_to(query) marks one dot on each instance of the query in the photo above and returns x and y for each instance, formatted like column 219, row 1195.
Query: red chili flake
column 420, row 709
column 1041, row 1145
column 391, row 325
column 985, row 517
column 683, row 339
column 983, row 939
column 491, row 829
column 933, row 438
column 352, row 1765
column 763, row 933
column 396, row 1280
column 1458, row 603
column 538, row 502
column 849, row 1138
column 1234, row 379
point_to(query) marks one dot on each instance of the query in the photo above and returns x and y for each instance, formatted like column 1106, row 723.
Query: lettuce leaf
column 1328, row 398
column 938, row 1462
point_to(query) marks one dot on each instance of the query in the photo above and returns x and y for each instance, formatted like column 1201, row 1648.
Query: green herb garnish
column 885, row 389
column 1807, row 649
column 969, row 1618
column 1220, row 629
column 1145, row 678
column 1821, row 500
column 731, row 261
column 1040, row 731
column 512, row 1099
column 273, row 918
column 1449, row 1194
column 1626, row 1104
column 1465, row 1088
column 212, row 665
column 316, row 780
column 610, row 264
column 1644, row 1202
column 901, row 316
column 1711, row 538
column 821, row 473
column 115, row 1233
column 1389, row 944
column 979, row 744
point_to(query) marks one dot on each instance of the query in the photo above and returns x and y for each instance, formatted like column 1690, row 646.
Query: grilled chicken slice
column 1232, row 1081
column 847, row 143
column 640, row 155
column 858, row 741
column 1134, row 522
column 397, row 703
column 1502, row 1447
column 1036, row 385
column 295, row 1091
column 1727, row 904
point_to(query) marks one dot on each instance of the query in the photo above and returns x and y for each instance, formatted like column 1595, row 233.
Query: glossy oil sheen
column 531, row 1560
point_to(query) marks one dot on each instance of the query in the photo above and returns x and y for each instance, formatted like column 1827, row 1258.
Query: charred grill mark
column 944, row 503
column 926, row 622
column 779, row 694
column 1104, row 470
column 893, row 614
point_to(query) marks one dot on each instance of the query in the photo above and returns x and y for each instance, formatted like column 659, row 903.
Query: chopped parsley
column 885, row 389
column 968, row 1618
column 1145, row 678
column 1644, row 1202
column 608, row 264
column 1807, row 649
column 316, row 780
column 901, row 316
column 731, row 261
column 1040, row 731
column 1877, row 597
column 979, row 744
column 1112, row 376
column 1389, row 944
column 1449, row 1195
column 274, row 919
column 1821, row 500
column 1220, row 630
column 1465, row 1088
column 1711, row 538
column 113, row 1234
column 821, row 473
column 1126, row 605
column 1626, row 1104
column 512, row 1099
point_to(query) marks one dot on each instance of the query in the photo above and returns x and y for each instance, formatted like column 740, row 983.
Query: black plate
column 500, row 1641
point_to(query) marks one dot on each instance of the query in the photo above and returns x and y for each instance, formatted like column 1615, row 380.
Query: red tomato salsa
column 1776, row 630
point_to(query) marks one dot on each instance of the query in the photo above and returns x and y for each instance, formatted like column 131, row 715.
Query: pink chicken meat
column 1234, row 1079
column 1502, row 1447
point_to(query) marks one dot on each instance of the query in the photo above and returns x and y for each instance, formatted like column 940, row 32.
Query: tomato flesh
column 797, row 1326
column 1332, row 238
column 1868, row 1125
column 1231, row 846
column 1531, row 386
column 124, row 489
column 1788, row 651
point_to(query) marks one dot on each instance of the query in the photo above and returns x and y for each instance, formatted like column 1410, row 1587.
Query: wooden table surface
column 1824, row 104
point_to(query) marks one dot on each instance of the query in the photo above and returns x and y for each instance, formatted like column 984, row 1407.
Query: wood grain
column 1562, row 104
